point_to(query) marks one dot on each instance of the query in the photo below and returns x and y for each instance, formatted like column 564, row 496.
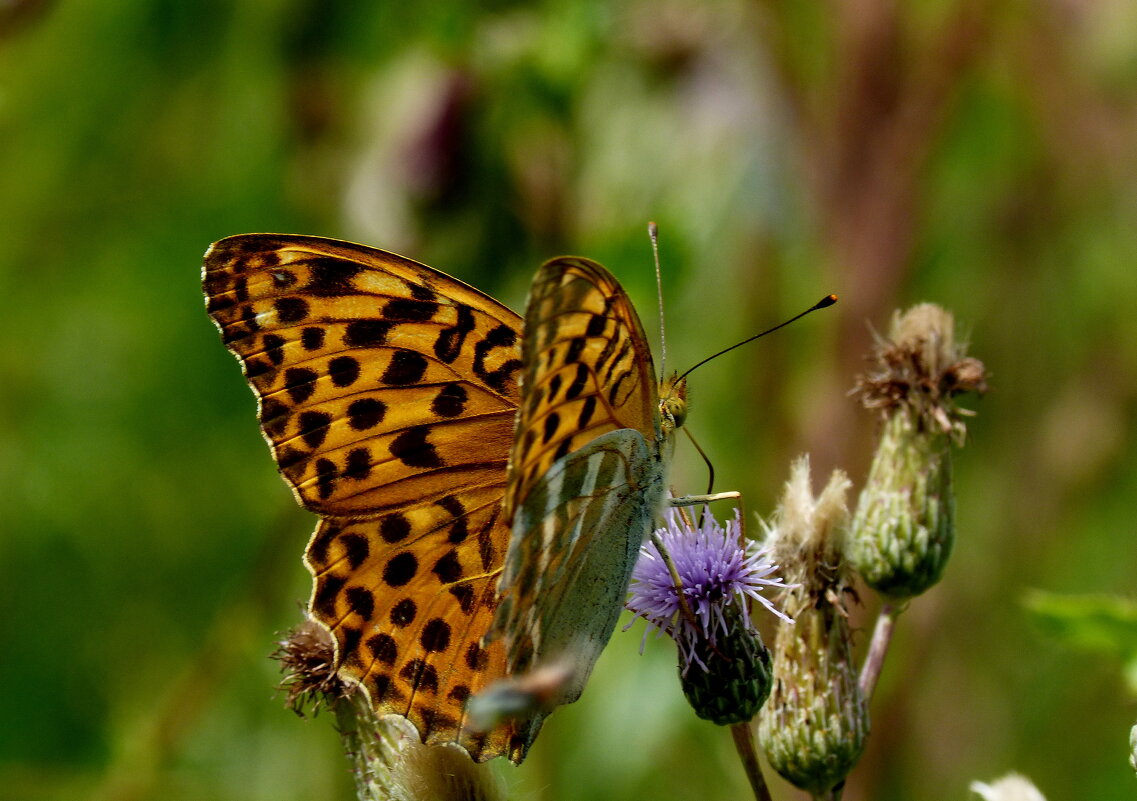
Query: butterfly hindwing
column 575, row 541
column 387, row 392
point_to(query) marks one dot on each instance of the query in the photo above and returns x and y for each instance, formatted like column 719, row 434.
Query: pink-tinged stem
column 878, row 648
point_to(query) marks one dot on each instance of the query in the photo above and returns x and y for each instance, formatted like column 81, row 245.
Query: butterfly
column 483, row 481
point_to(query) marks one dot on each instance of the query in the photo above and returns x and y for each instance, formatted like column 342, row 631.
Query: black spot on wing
column 326, row 476
column 400, row 569
column 579, row 382
column 575, row 348
column 403, row 613
column 406, row 367
column 500, row 337
column 552, row 423
column 394, row 527
column 273, row 417
column 318, row 549
column 343, row 370
column 448, row 568
column 450, row 401
column 587, row 409
column 449, row 343
column 312, row 338
column 383, row 648
column 458, row 528
column 366, row 333
column 300, row 382
column 291, row 310
column 464, row 594
column 274, row 348
column 328, row 587
column 314, row 428
column 361, row 601
column 423, row 677
column 330, row 277
column 409, row 310
column 357, row 466
column 366, row 413
column 412, row 449
column 435, row 636
column 356, row 548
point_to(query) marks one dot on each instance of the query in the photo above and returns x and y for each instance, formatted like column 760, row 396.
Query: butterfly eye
column 674, row 408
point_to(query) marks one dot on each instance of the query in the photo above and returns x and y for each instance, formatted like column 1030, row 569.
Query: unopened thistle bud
column 904, row 526
column 704, row 606
column 814, row 725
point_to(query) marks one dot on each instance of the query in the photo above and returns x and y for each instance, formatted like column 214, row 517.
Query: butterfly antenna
column 653, row 233
column 826, row 301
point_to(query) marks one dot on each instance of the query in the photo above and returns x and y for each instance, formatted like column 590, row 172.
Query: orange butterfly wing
column 387, row 392
column 587, row 370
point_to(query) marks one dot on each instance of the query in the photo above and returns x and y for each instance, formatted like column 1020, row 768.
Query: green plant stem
column 878, row 649
column 372, row 747
column 744, row 741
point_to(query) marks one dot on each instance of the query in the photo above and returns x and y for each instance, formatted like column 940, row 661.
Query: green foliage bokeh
column 962, row 153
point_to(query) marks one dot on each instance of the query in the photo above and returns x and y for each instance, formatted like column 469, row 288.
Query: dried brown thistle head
column 921, row 366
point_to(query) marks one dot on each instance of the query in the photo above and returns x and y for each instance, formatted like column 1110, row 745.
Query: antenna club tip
column 828, row 300
column 652, row 229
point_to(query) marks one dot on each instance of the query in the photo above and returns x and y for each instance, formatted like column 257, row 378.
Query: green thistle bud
column 737, row 678
column 904, row 526
column 814, row 725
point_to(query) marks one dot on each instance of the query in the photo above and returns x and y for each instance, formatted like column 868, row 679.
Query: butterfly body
column 431, row 430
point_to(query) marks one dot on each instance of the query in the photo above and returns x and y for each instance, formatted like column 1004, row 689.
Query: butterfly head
column 672, row 403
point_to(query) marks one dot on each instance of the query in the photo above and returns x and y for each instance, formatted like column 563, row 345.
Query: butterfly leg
column 665, row 555
column 693, row 500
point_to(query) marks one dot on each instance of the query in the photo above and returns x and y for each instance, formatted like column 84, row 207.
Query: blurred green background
column 982, row 155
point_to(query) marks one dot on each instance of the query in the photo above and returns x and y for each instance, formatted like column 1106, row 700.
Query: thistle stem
column 878, row 648
column 372, row 747
column 748, row 753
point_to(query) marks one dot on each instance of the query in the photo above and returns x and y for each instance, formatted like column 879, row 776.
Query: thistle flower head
column 814, row 725
column 718, row 573
column 922, row 367
column 807, row 535
column 307, row 660
column 904, row 527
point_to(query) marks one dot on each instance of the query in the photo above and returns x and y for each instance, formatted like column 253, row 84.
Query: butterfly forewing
column 587, row 369
column 387, row 392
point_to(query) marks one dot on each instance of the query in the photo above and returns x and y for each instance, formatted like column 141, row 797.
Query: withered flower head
column 904, row 526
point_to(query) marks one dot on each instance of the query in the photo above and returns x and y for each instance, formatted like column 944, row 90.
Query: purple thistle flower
column 717, row 569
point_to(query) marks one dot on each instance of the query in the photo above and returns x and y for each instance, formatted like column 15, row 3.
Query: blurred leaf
column 1102, row 623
